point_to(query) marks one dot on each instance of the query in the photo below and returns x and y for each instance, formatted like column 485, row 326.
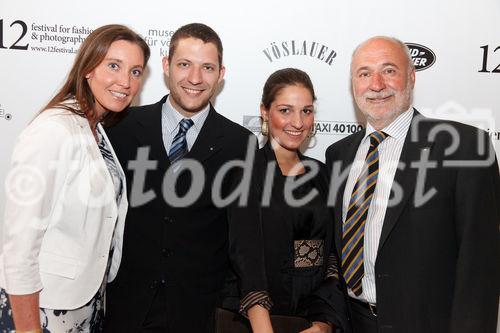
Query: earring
column 264, row 129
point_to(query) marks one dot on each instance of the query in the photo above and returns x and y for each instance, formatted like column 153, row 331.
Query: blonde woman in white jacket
column 65, row 194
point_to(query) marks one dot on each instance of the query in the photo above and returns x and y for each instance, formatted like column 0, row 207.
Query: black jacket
column 182, row 249
column 437, row 263
column 262, row 247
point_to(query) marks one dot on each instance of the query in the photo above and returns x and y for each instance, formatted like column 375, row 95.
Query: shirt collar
column 173, row 116
column 397, row 129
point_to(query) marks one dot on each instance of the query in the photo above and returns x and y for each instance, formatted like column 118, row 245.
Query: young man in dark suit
column 416, row 206
column 175, row 239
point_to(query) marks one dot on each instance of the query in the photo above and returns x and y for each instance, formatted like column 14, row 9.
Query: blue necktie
column 179, row 145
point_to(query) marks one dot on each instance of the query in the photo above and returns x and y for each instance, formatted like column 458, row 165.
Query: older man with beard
column 416, row 208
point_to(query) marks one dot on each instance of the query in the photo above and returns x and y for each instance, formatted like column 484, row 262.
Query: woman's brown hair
column 90, row 55
column 281, row 79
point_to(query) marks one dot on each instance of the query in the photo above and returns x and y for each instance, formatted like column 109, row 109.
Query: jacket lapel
column 209, row 140
column 150, row 134
column 406, row 175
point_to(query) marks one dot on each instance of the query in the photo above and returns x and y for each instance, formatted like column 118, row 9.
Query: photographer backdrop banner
column 455, row 46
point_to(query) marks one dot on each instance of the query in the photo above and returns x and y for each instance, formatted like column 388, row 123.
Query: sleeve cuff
column 255, row 298
column 332, row 269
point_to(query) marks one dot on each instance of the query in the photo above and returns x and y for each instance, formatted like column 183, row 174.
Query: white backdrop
column 37, row 36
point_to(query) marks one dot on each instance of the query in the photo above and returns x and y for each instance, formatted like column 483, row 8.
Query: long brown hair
column 91, row 54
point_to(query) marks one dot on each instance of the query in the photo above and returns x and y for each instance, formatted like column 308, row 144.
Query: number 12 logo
column 484, row 69
column 14, row 46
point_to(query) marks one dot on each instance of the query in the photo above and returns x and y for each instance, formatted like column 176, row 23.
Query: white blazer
column 60, row 213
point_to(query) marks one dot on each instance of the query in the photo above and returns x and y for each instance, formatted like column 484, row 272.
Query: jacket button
column 166, row 252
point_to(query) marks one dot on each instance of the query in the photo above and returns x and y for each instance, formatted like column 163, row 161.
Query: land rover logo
column 422, row 56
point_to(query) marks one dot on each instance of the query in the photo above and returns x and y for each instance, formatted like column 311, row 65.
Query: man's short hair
column 198, row 31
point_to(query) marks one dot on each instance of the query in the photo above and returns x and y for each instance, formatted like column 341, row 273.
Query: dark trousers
column 363, row 320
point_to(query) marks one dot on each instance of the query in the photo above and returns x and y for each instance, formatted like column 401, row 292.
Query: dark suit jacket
column 182, row 249
column 437, row 267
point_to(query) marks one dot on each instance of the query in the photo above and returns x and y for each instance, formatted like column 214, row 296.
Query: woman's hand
column 318, row 327
column 25, row 311
column 260, row 319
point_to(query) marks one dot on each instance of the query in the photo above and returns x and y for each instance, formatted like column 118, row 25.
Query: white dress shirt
column 389, row 154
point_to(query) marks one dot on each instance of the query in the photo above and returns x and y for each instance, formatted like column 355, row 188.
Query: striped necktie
column 353, row 229
column 179, row 144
